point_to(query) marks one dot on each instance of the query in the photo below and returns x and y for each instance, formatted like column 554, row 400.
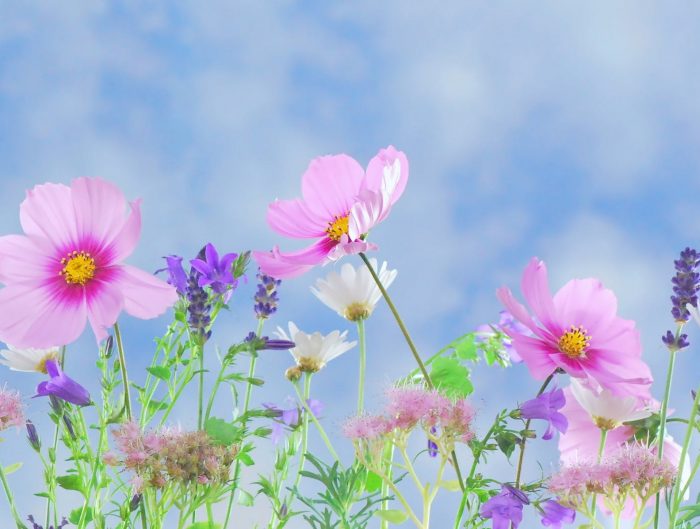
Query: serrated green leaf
column 465, row 349
column 160, row 372
column 392, row 515
column 222, row 432
column 451, row 377
column 12, row 468
column 245, row 498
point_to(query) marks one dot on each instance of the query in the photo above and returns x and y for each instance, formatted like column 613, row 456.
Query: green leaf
column 392, row 515
column 452, row 485
column 12, row 468
column 465, row 349
column 245, row 498
column 373, row 482
column 74, row 516
column 155, row 406
column 160, row 372
column 70, row 482
column 204, row 525
column 506, row 442
column 222, row 432
column 451, row 377
column 42, row 494
column 246, row 459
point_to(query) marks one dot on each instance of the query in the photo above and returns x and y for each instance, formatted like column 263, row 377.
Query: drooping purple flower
column 506, row 324
column 62, row 386
column 554, row 514
column 266, row 296
column 176, row 273
column 432, row 445
column 216, row 273
column 505, row 508
column 686, row 284
column 546, row 407
column 264, row 342
column 673, row 343
column 290, row 417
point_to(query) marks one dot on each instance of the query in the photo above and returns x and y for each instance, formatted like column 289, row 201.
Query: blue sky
column 566, row 132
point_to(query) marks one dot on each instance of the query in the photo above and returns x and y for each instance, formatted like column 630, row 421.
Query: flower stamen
column 338, row 227
column 78, row 268
column 574, row 342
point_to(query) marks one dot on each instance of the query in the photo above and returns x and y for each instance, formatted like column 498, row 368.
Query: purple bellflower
column 506, row 324
column 546, row 407
column 505, row 508
column 214, row 272
column 554, row 514
column 290, row 417
column 176, row 273
column 62, row 386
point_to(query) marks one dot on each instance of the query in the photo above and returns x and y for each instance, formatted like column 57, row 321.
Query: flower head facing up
column 68, row 267
column 266, row 296
column 215, row 272
column 554, row 514
column 577, row 330
column 352, row 293
column 313, row 351
column 11, row 410
column 340, row 203
column 546, row 406
column 505, row 508
column 62, row 386
column 28, row 359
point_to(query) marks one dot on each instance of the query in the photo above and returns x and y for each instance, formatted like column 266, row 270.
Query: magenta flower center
column 338, row 227
column 574, row 342
column 78, row 268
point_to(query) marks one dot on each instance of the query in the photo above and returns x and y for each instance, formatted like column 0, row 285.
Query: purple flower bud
column 432, row 445
column 62, row 386
column 69, row 427
column 134, row 503
column 33, row 436
column 283, row 511
column 108, row 347
column 673, row 343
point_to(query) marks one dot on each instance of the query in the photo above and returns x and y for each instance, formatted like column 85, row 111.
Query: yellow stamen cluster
column 338, row 227
column 574, row 342
column 41, row 365
column 78, row 268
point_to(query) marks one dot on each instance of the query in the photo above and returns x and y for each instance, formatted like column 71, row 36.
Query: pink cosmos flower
column 67, row 269
column 340, row 204
column 577, row 331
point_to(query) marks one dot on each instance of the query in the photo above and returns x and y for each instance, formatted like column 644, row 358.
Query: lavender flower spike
column 266, row 297
column 686, row 284
column 547, row 406
column 216, row 273
column 62, row 386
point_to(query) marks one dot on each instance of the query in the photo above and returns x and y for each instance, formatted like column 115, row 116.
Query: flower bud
column 529, row 434
column 293, row 373
column 108, row 347
column 33, row 436
column 515, row 414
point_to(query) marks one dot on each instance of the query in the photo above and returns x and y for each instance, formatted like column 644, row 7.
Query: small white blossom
column 607, row 410
column 313, row 351
column 28, row 359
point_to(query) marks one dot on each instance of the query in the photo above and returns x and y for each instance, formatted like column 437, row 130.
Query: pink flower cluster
column 632, row 472
column 412, row 406
column 11, row 412
column 167, row 455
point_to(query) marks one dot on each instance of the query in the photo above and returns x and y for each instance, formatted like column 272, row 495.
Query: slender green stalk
column 11, row 500
column 363, row 363
column 122, row 366
column 677, row 496
column 321, row 430
column 411, row 346
column 521, row 457
column 387, row 460
column 601, row 451
column 246, row 405
column 200, row 391
column 304, row 429
column 662, row 419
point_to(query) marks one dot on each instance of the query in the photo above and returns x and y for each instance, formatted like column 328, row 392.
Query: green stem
column 200, row 393
column 11, row 500
column 246, row 404
column 662, row 420
column 387, row 459
column 676, row 496
column 304, row 429
column 363, row 363
column 521, row 457
column 321, row 430
column 122, row 366
column 411, row 346
column 601, row 451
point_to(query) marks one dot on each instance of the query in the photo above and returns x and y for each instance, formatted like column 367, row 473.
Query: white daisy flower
column 608, row 411
column 313, row 351
column 28, row 359
column 352, row 293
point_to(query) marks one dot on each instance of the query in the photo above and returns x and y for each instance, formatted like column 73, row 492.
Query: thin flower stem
column 246, row 405
column 399, row 496
column 521, row 457
column 662, row 419
column 319, row 428
column 122, row 366
column 694, row 471
column 11, row 499
column 411, row 471
column 388, row 460
column 304, row 429
column 411, row 346
column 200, row 393
column 601, row 451
column 363, row 363
column 676, row 496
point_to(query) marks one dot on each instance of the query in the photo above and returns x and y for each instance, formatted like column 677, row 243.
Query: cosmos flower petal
column 99, row 211
column 518, row 311
column 387, row 173
column 291, row 264
column 293, row 218
column 572, row 300
column 21, row 259
column 145, row 296
column 330, row 184
column 128, row 236
column 536, row 355
column 47, row 213
column 535, row 287
column 105, row 301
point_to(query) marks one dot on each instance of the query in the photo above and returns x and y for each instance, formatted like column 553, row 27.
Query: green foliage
column 221, row 432
column 394, row 516
column 451, row 377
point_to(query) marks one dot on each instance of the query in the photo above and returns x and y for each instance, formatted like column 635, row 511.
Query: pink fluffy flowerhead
column 340, row 203
column 67, row 268
column 577, row 330
column 11, row 411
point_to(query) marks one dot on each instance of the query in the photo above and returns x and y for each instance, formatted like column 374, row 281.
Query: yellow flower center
column 41, row 365
column 605, row 424
column 357, row 311
column 573, row 343
column 338, row 227
column 78, row 268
